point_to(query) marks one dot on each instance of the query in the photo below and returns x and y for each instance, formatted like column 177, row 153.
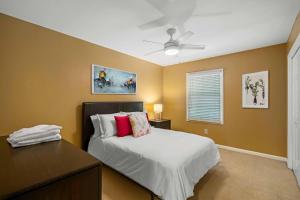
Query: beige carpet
column 237, row 177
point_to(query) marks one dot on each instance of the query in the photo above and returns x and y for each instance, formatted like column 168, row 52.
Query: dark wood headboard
column 92, row 108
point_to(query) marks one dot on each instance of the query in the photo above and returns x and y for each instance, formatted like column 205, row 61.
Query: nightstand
column 163, row 123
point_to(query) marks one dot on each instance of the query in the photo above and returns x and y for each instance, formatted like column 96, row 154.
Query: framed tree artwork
column 255, row 90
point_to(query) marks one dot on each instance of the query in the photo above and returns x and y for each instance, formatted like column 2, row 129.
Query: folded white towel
column 34, row 130
column 34, row 136
column 34, row 141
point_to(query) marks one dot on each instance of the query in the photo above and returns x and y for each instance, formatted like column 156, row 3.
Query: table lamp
column 158, row 108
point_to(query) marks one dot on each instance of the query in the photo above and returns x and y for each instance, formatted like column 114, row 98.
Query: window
column 205, row 96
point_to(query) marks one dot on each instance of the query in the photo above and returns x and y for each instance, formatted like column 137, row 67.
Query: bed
column 168, row 163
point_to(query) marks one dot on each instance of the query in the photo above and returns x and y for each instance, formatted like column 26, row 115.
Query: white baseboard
column 252, row 153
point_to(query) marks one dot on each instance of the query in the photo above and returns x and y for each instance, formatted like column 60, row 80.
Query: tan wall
column 45, row 76
column 262, row 130
column 294, row 33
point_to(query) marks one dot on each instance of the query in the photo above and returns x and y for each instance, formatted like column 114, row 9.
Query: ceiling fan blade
column 212, row 14
column 181, row 28
column 153, row 42
column 154, row 52
column 185, row 36
column 154, row 24
column 158, row 4
column 192, row 46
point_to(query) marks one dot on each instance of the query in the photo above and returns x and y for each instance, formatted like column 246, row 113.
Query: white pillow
column 128, row 113
column 97, row 125
column 108, row 124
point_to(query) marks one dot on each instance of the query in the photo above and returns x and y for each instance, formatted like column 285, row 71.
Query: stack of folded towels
column 34, row 135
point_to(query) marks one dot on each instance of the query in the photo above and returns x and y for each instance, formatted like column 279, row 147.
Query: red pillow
column 123, row 126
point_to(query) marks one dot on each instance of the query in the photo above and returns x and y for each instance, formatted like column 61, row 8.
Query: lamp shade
column 158, row 108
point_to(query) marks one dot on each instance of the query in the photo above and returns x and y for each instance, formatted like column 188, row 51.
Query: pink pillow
column 123, row 126
column 139, row 123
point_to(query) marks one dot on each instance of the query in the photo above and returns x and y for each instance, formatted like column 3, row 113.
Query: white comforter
column 169, row 163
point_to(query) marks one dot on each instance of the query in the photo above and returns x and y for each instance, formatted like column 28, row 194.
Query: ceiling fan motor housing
column 171, row 47
column 171, row 43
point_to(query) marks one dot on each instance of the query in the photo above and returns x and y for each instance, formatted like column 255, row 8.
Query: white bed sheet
column 169, row 163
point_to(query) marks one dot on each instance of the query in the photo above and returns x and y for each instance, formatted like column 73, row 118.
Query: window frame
column 221, row 70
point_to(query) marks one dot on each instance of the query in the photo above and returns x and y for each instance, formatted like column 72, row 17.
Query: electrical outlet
column 206, row 131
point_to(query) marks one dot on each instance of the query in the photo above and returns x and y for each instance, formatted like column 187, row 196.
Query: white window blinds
column 205, row 96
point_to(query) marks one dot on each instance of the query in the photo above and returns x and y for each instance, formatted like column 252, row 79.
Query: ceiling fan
column 173, row 46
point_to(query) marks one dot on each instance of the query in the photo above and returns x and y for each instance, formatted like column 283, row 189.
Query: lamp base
column 157, row 116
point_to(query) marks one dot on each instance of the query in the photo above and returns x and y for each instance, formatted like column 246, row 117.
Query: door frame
column 291, row 145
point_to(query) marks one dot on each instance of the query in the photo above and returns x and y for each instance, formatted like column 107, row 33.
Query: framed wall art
column 255, row 89
column 107, row 80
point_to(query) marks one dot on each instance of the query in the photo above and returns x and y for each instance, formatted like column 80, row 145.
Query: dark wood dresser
column 54, row 170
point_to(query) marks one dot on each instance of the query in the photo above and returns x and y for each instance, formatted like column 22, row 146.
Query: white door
column 296, row 112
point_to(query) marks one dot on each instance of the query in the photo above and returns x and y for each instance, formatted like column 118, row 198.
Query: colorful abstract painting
column 255, row 90
column 107, row 80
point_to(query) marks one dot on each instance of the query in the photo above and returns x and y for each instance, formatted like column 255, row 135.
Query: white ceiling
column 244, row 24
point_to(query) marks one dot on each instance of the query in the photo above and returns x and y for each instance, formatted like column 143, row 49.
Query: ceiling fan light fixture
column 171, row 51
